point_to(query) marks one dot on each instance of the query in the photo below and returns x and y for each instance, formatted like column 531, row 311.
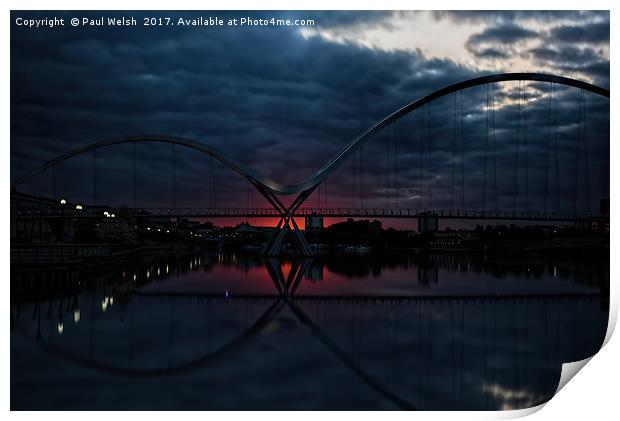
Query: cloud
column 573, row 59
column 491, row 53
column 498, row 42
column 504, row 34
column 566, row 54
column 591, row 33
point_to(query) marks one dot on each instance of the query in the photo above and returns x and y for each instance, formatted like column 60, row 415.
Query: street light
column 78, row 207
column 63, row 201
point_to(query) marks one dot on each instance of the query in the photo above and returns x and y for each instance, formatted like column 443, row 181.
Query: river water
column 373, row 331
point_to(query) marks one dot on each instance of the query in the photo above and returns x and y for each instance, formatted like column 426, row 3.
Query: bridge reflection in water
column 188, row 336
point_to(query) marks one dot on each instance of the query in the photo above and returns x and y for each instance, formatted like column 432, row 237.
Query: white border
column 592, row 394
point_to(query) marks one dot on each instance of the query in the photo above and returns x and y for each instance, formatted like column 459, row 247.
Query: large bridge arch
column 329, row 167
column 261, row 183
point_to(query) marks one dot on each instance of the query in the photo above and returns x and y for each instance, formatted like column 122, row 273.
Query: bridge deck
column 302, row 212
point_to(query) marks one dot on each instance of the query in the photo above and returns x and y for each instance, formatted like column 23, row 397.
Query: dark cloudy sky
column 284, row 100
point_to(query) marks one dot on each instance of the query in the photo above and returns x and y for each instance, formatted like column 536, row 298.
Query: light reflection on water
column 442, row 331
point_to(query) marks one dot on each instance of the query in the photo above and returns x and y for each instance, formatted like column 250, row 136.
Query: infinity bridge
column 550, row 167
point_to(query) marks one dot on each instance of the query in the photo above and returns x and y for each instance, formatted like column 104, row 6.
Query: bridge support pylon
column 287, row 227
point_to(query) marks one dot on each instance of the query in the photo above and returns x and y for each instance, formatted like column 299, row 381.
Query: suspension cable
column 133, row 155
column 462, row 151
column 557, row 160
column 94, row 178
column 577, row 158
column 516, row 189
column 486, row 146
column 211, row 183
column 395, row 165
column 585, row 145
column 387, row 169
column 361, row 156
column 453, row 149
column 494, row 143
column 548, row 149
column 421, row 165
column 527, row 171
column 174, row 178
column 354, row 176
column 430, row 152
